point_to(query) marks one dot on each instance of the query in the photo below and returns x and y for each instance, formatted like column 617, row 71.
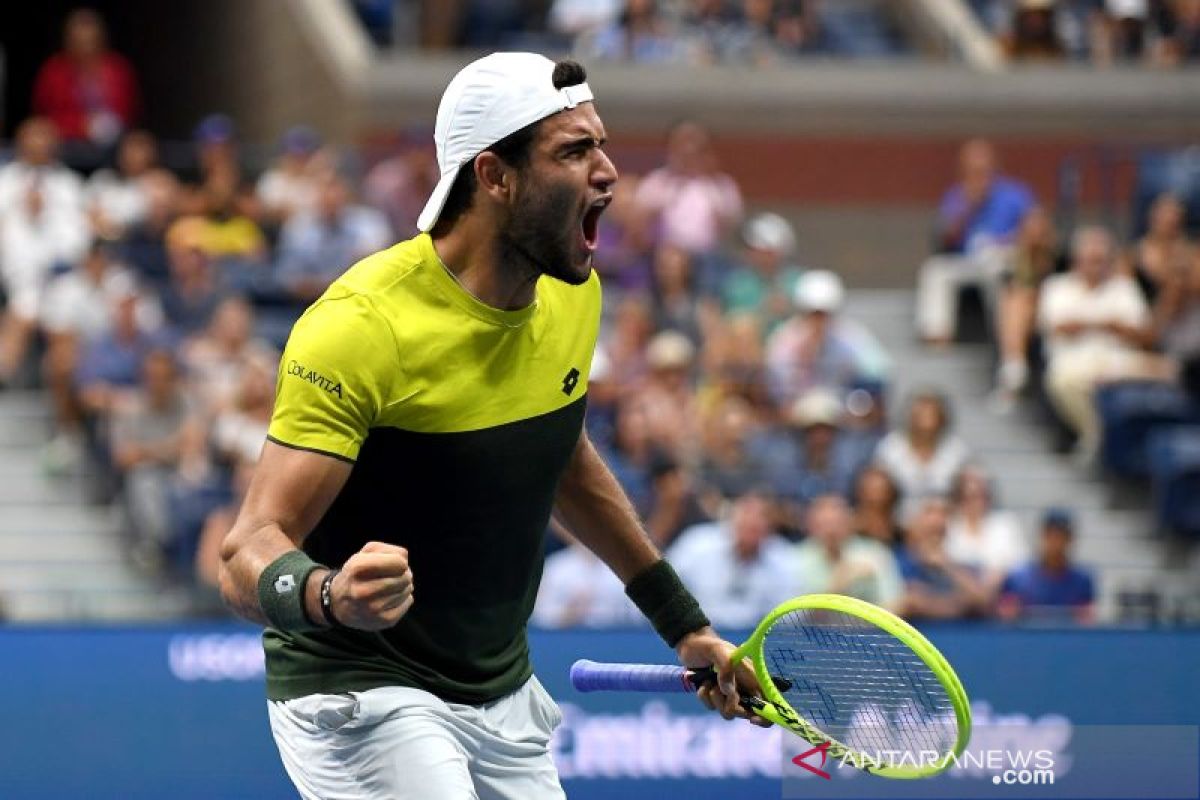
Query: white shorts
column 397, row 743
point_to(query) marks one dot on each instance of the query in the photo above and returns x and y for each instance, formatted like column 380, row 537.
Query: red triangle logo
column 823, row 749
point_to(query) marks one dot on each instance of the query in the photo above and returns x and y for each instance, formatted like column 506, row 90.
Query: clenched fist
column 374, row 589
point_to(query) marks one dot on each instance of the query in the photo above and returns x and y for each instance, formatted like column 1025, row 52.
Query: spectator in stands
column 193, row 293
column 229, row 234
column 217, row 357
column 834, row 559
column 632, row 455
column 118, row 199
column 727, row 466
column 625, row 253
column 1035, row 256
column 809, row 461
column 764, row 282
column 87, row 91
column 290, row 184
column 977, row 221
column 603, row 396
column 575, row 17
column 738, row 568
column 317, row 246
column 666, row 393
column 876, row 507
column 1177, row 317
column 817, row 346
column 676, row 303
column 1164, row 253
column 110, row 366
column 1119, row 32
column 578, row 589
column 400, row 184
column 925, row 455
column 215, row 138
column 77, row 312
column 1096, row 325
column 146, row 431
column 144, row 244
column 1034, row 34
column 640, row 34
column 240, row 421
column 676, row 506
column 865, row 423
column 982, row 537
column 1050, row 586
column 42, row 229
column 1182, row 39
column 936, row 586
column 733, row 364
column 628, row 338
column 693, row 202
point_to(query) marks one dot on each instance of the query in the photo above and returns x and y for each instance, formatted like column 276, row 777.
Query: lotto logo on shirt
column 312, row 376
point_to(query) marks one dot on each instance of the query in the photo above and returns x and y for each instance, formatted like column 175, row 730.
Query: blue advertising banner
column 179, row 712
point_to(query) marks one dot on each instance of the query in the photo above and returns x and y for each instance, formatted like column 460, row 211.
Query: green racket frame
column 776, row 708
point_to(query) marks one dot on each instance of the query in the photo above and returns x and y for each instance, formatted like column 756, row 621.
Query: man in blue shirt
column 977, row 221
column 1050, row 586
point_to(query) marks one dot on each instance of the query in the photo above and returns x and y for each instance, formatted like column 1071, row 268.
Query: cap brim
column 437, row 200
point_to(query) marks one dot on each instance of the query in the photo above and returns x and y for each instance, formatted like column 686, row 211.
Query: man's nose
column 604, row 174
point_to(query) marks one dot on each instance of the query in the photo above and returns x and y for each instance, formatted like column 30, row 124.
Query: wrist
column 658, row 593
column 312, row 597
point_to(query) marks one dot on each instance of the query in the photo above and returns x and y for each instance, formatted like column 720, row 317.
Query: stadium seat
column 1129, row 412
column 1173, row 454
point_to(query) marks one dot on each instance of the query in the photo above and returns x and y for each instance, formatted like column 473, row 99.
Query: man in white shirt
column 579, row 589
column 836, row 560
column 317, row 246
column 739, row 568
column 42, row 226
column 1096, row 325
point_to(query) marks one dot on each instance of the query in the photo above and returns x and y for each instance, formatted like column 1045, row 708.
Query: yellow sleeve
column 335, row 377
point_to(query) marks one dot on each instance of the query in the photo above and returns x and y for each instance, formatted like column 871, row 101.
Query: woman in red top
column 88, row 91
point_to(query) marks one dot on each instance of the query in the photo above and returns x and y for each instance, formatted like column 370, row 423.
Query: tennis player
column 428, row 421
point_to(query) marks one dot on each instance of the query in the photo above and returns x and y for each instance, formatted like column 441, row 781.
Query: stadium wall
column 179, row 712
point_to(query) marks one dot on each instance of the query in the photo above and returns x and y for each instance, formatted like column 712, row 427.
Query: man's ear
column 494, row 177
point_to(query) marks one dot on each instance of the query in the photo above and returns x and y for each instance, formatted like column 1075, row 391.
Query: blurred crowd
column 743, row 409
column 1152, row 32
column 754, row 32
column 745, row 412
column 1159, row 33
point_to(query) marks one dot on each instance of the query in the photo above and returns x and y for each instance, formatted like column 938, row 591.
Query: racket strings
column 860, row 685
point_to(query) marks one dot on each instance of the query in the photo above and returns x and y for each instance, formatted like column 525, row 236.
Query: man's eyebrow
column 582, row 140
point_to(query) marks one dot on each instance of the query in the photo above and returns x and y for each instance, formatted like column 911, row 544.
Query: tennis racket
column 842, row 674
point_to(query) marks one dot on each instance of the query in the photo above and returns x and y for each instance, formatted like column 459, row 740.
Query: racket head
column 813, row 631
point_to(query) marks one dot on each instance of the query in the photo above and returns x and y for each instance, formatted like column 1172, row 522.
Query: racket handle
column 590, row 676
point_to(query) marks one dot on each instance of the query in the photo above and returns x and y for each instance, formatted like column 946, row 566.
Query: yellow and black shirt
column 459, row 419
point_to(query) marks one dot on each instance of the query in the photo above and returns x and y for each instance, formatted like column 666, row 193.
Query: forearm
column 248, row 549
column 594, row 508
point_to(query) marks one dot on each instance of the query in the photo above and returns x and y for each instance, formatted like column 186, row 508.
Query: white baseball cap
column 768, row 231
column 487, row 100
column 819, row 290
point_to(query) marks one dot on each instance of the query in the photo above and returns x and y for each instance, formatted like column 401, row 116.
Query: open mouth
column 590, row 225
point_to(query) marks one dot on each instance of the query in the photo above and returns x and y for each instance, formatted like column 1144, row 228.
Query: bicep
column 292, row 489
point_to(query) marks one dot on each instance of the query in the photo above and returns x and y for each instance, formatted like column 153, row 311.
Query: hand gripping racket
column 840, row 673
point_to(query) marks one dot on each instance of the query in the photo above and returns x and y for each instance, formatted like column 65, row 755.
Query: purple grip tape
column 589, row 676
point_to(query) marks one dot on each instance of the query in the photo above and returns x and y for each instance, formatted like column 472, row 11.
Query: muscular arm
column 290, row 492
column 593, row 506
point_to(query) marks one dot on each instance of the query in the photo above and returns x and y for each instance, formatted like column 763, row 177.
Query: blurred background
column 902, row 301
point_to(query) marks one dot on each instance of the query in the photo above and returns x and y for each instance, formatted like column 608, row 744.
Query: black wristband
column 659, row 593
column 281, row 589
column 327, row 599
